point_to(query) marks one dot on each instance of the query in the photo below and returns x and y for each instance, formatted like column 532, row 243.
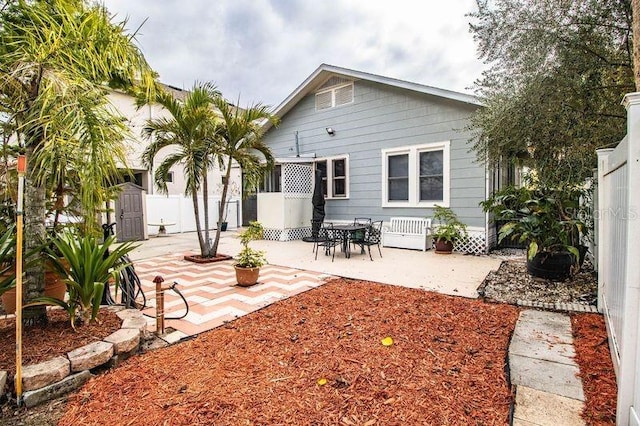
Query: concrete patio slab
column 455, row 274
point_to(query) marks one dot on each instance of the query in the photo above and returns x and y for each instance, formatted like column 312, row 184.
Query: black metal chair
column 316, row 225
column 373, row 237
column 328, row 238
column 358, row 236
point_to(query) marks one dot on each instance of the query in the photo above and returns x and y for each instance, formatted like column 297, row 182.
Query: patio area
column 214, row 299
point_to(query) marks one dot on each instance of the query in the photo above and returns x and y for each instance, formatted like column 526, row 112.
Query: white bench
column 408, row 232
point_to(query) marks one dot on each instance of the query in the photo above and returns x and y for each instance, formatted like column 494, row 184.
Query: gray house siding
column 383, row 117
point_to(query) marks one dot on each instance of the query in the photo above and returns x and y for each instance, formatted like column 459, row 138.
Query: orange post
column 22, row 169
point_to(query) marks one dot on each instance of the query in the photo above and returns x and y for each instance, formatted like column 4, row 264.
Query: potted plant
column 448, row 230
column 549, row 224
column 7, row 269
column 249, row 261
column 87, row 269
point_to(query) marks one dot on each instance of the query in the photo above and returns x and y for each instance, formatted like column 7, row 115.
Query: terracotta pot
column 9, row 301
column 247, row 276
column 444, row 247
column 54, row 286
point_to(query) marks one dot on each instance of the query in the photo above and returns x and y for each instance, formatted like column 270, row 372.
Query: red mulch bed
column 42, row 343
column 446, row 365
column 596, row 369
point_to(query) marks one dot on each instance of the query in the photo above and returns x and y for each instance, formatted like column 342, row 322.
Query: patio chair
column 358, row 236
column 328, row 238
column 315, row 225
column 373, row 237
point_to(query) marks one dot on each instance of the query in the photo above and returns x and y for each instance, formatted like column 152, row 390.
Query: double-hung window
column 416, row 176
column 335, row 176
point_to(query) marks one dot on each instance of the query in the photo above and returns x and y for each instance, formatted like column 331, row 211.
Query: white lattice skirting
column 286, row 234
column 475, row 243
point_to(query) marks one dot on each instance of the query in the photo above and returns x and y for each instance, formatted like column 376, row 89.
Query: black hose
column 131, row 287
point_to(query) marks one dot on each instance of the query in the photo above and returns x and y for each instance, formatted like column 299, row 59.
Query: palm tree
column 56, row 58
column 192, row 131
column 240, row 140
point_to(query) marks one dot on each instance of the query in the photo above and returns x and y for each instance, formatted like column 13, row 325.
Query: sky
column 261, row 50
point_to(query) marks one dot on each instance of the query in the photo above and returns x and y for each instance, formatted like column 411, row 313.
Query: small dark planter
column 583, row 254
column 555, row 266
column 223, row 226
column 444, row 247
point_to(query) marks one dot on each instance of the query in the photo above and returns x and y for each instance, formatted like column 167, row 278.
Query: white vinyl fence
column 618, row 241
column 177, row 212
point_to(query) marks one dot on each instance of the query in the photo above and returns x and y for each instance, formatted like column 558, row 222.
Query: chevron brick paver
column 212, row 293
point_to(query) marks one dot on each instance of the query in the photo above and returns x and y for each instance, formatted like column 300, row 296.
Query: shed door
column 129, row 214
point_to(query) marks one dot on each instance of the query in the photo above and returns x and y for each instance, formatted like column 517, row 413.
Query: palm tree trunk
column 196, row 211
column 223, row 201
column 34, row 236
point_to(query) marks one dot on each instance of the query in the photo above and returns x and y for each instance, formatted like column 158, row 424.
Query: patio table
column 162, row 231
column 345, row 231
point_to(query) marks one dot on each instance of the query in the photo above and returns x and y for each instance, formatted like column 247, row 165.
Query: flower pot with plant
column 249, row 261
column 549, row 223
column 7, row 269
column 448, row 229
column 87, row 269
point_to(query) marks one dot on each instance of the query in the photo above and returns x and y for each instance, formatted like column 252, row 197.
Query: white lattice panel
column 475, row 243
column 272, row 234
column 286, row 234
column 297, row 180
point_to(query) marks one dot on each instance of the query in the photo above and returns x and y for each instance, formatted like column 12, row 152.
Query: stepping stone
column 534, row 407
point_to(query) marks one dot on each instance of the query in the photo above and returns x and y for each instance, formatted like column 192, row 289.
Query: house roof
column 325, row 71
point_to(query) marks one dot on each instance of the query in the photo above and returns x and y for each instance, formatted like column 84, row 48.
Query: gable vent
column 324, row 100
column 334, row 81
column 344, row 95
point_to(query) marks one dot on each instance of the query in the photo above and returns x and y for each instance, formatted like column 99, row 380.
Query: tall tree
column 635, row 6
column 192, row 132
column 240, row 141
column 56, row 59
column 559, row 69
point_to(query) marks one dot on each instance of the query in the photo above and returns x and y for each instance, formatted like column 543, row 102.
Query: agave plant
column 89, row 270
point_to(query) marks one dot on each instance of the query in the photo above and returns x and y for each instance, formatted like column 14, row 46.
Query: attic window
column 334, row 96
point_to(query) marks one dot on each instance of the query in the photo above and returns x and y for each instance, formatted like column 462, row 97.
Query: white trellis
column 618, row 242
column 286, row 215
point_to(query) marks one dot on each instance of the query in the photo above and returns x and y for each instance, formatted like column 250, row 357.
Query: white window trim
column 329, row 160
column 414, row 174
column 333, row 95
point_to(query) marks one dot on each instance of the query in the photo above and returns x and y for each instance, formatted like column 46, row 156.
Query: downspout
column 297, row 145
column 150, row 180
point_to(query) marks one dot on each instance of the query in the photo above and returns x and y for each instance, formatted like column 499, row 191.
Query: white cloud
column 261, row 50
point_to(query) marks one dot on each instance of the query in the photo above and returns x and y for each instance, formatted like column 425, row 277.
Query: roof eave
column 308, row 84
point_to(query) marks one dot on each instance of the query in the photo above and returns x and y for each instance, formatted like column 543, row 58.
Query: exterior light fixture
column 330, row 131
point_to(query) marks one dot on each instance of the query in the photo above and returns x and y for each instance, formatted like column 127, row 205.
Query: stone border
column 58, row 376
column 558, row 306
